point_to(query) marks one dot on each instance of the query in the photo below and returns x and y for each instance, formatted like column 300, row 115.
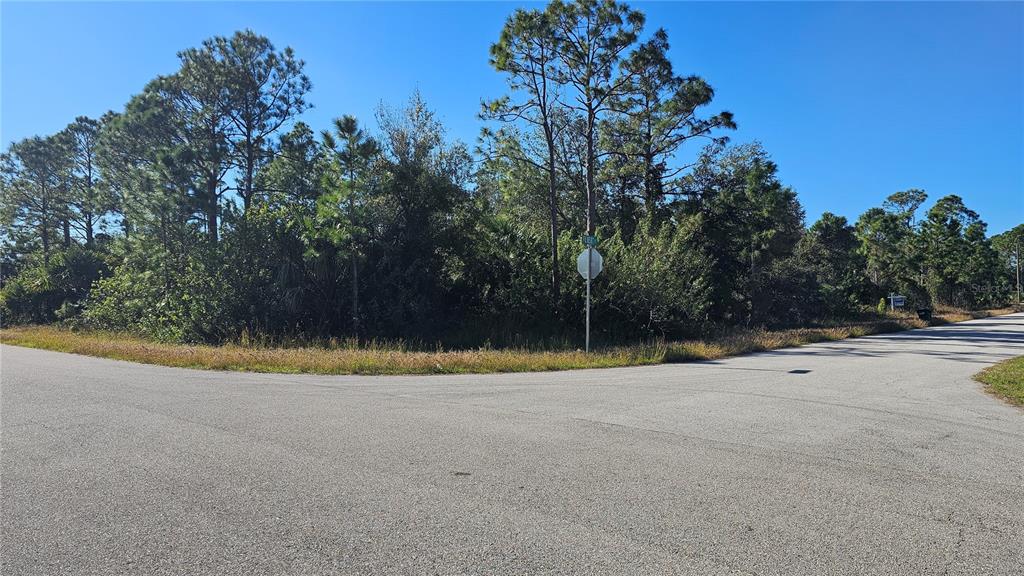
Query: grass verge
column 347, row 359
column 1005, row 380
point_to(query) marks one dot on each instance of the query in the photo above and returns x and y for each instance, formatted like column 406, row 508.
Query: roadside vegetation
column 206, row 213
column 348, row 357
column 1005, row 380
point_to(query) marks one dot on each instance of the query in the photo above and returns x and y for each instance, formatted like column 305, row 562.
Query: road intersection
column 876, row 455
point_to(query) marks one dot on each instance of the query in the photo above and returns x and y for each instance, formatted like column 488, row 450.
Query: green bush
column 48, row 291
column 169, row 298
column 656, row 285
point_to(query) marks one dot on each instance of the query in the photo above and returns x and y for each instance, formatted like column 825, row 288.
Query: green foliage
column 90, row 199
column 658, row 115
column 829, row 252
column 747, row 221
column 960, row 266
column 47, row 290
column 592, row 39
column 946, row 258
column 528, row 54
column 34, row 198
column 167, row 297
column 658, row 284
column 1008, row 247
column 507, row 281
column 785, row 293
column 891, row 250
column 1005, row 380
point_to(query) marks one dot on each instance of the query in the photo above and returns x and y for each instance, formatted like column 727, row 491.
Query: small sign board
column 899, row 301
column 595, row 260
column 590, row 240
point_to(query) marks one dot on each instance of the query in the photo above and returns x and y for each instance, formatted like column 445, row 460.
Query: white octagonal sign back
column 596, row 263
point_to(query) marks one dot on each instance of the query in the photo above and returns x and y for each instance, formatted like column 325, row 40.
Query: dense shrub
column 656, row 285
column 47, row 291
column 180, row 298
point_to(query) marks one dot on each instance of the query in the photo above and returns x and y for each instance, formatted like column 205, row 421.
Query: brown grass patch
column 346, row 358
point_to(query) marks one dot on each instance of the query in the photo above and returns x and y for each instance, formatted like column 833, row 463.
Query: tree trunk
column 66, row 223
column 355, row 296
column 211, row 210
column 211, row 225
column 250, row 164
column 92, row 204
column 652, row 181
column 591, row 195
column 355, row 263
column 88, row 229
column 556, row 288
column 46, row 240
column 652, row 185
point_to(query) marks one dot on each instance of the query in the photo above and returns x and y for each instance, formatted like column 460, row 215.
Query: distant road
column 871, row 456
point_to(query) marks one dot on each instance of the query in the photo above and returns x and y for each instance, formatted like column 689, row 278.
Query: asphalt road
column 884, row 457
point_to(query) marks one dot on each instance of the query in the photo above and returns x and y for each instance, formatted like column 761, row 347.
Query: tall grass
column 350, row 357
column 330, row 358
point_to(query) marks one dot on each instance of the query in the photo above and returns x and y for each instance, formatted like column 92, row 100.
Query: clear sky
column 853, row 100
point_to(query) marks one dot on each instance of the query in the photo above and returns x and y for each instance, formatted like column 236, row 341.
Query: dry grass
column 1005, row 380
column 321, row 359
column 348, row 359
column 946, row 315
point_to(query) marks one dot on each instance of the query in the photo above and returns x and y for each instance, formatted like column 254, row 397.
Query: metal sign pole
column 589, row 264
column 1018, row 272
column 590, row 272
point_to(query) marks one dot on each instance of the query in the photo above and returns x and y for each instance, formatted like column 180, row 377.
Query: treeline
column 205, row 210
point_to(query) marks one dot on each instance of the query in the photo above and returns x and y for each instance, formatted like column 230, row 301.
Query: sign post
column 589, row 264
column 590, row 273
column 896, row 301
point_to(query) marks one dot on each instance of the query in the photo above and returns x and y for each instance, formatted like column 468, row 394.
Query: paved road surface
column 884, row 458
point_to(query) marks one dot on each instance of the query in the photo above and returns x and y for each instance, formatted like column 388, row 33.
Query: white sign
column 596, row 263
column 896, row 301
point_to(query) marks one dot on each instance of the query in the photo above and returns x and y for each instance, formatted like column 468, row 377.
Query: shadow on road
column 933, row 342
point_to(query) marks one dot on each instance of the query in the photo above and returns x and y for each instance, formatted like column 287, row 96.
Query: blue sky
column 853, row 100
